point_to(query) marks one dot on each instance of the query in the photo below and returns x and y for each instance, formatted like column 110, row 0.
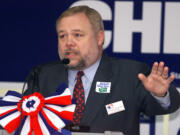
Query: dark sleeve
column 148, row 104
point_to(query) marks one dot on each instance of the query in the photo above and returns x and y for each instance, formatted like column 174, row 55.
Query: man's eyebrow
column 74, row 30
column 60, row 31
column 77, row 30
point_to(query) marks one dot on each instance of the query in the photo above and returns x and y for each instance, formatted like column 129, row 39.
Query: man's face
column 78, row 41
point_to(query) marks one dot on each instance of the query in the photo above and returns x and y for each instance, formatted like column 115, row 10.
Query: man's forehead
column 79, row 18
column 74, row 16
column 74, row 23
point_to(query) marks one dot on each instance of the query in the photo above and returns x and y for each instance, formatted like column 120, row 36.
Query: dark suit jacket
column 125, row 86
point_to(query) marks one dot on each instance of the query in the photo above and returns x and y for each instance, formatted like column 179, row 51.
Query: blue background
column 28, row 37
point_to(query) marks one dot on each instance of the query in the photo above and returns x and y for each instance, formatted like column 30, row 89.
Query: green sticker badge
column 103, row 87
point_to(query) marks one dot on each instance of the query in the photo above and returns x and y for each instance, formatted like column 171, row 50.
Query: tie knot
column 80, row 73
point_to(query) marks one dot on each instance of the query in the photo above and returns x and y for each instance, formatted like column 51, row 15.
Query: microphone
column 65, row 61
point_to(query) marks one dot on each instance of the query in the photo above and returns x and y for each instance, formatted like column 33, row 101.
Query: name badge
column 103, row 87
column 115, row 107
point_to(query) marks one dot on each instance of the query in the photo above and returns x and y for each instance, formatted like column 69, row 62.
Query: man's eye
column 61, row 36
column 78, row 35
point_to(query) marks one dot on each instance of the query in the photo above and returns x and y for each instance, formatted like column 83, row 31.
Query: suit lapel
column 103, row 74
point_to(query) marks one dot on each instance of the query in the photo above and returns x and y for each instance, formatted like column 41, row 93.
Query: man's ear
column 100, row 38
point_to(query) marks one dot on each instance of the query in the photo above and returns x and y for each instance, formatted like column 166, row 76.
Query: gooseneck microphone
column 35, row 77
column 65, row 61
column 71, row 127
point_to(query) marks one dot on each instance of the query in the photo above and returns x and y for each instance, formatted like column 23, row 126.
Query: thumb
column 142, row 77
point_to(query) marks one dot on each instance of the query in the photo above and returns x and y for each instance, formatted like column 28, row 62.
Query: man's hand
column 158, row 81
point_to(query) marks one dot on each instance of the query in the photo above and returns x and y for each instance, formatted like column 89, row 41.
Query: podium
column 105, row 133
column 3, row 132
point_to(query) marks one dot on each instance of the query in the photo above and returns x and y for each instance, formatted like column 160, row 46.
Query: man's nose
column 70, row 41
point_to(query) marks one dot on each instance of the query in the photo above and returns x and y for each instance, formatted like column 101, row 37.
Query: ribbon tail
column 11, row 122
column 34, row 123
column 26, row 128
column 48, row 120
column 64, row 112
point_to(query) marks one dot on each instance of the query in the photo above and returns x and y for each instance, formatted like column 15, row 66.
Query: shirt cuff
column 163, row 101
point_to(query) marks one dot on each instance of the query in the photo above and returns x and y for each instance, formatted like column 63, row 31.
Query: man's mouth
column 70, row 53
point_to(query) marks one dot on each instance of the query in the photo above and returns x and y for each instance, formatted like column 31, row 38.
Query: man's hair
column 93, row 16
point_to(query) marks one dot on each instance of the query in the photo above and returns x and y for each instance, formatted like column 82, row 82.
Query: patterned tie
column 78, row 95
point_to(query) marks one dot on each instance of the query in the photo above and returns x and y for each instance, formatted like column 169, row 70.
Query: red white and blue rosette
column 40, row 116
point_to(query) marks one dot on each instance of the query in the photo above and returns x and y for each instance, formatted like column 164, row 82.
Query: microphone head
column 65, row 61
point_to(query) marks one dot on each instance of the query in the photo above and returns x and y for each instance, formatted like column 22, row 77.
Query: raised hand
column 158, row 81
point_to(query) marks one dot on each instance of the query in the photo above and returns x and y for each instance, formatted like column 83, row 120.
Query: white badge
column 103, row 87
column 115, row 107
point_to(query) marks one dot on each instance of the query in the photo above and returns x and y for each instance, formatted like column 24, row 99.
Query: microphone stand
column 35, row 87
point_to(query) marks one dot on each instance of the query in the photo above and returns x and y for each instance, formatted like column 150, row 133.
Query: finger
column 171, row 78
column 160, row 68
column 154, row 68
column 165, row 73
column 142, row 77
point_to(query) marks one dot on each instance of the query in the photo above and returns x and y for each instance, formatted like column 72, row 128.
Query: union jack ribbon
column 40, row 116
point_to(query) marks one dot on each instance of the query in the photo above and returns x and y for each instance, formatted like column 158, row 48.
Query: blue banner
column 146, row 31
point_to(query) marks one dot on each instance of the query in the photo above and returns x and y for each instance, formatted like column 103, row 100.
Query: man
column 116, row 90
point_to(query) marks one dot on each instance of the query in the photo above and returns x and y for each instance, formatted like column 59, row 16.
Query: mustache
column 69, row 51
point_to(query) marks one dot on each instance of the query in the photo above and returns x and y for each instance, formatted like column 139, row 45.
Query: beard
column 81, row 63
column 79, row 66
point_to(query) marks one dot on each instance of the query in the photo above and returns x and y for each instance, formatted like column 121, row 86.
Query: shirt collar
column 88, row 72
